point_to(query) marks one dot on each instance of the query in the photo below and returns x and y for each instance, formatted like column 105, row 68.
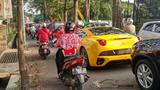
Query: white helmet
column 44, row 25
column 129, row 21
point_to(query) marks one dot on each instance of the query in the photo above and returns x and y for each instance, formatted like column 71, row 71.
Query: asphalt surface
column 113, row 77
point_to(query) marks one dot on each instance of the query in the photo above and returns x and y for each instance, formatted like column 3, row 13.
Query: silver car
column 150, row 30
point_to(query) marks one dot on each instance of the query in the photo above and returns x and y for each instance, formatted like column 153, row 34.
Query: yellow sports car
column 101, row 45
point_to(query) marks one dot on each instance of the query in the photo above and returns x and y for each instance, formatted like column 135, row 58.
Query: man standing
column 130, row 28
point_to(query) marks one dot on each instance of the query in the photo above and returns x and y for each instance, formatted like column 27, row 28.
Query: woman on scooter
column 69, row 40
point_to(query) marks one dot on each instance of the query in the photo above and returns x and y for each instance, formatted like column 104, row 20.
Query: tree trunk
column 134, row 11
column 65, row 11
column 21, row 56
column 88, row 10
column 75, row 11
column 116, row 14
column 45, row 8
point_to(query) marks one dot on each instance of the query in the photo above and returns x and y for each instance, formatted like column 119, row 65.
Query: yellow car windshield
column 105, row 31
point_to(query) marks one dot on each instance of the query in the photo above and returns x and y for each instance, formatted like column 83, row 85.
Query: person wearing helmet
column 130, row 28
column 69, row 40
column 58, row 32
column 33, row 31
column 43, row 34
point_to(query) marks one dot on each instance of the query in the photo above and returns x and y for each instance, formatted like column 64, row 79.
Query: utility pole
column 21, row 57
column 76, row 11
column 65, row 10
column 88, row 10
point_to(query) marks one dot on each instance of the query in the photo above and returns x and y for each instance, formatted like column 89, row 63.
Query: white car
column 150, row 30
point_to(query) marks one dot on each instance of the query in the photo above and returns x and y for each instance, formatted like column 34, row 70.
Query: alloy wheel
column 144, row 76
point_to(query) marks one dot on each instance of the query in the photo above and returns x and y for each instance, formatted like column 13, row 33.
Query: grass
column 32, row 84
column 11, row 35
column 18, row 86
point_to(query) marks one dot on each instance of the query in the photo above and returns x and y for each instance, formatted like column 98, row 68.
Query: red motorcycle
column 74, row 73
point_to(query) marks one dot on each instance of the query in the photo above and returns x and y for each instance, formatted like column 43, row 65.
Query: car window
column 90, row 25
column 149, row 27
column 157, row 28
column 106, row 30
column 81, row 34
column 104, row 24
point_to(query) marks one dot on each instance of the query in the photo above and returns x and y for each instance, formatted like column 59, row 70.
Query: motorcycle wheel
column 44, row 57
column 77, row 86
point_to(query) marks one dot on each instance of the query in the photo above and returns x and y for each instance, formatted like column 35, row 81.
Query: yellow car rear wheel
column 83, row 52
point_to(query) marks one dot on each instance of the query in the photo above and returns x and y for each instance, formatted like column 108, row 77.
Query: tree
column 75, row 11
column 21, row 57
column 49, row 8
column 102, row 9
column 127, row 9
column 116, row 14
column 14, row 9
column 99, row 9
column 65, row 10
column 87, row 9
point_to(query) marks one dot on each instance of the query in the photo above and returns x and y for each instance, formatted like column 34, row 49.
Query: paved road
column 116, row 77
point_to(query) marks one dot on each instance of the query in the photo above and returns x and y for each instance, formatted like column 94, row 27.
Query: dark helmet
column 69, row 26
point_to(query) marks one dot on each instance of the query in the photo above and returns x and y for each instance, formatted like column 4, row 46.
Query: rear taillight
column 79, row 62
column 102, row 42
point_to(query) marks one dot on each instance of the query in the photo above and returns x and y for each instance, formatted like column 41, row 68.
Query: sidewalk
column 9, row 67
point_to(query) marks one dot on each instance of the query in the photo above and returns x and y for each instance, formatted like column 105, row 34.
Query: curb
column 13, row 82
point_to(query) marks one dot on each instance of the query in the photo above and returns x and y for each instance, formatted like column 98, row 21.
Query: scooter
column 44, row 50
column 74, row 73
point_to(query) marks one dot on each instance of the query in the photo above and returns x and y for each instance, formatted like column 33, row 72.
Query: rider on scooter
column 58, row 32
column 69, row 40
column 43, row 34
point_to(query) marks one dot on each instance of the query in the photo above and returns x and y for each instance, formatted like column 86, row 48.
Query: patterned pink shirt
column 69, row 41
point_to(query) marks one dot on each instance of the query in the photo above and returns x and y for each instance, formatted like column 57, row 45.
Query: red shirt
column 43, row 35
column 58, row 34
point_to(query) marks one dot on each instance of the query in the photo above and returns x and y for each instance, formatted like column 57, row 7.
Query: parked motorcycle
column 44, row 50
column 74, row 73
